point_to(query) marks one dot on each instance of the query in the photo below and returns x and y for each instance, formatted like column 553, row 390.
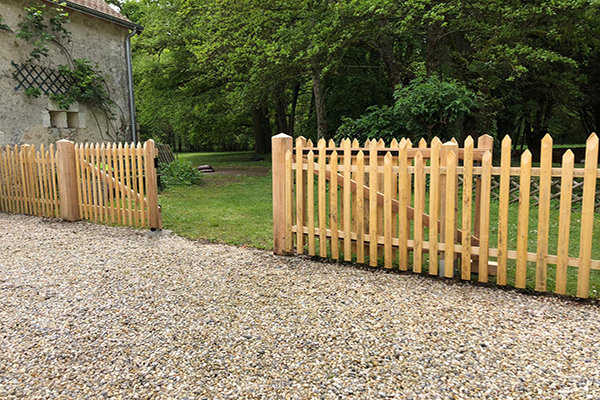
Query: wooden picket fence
column 28, row 181
column 98, row 182
column 404, row 208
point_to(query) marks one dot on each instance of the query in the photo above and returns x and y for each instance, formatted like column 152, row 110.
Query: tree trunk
column 538, row 129
column 280, row 117
column 261, row 127
column 319, row 91
column 295, row 94
column 386, row 52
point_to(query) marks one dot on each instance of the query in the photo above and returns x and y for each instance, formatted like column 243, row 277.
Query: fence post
column 154, row 214
column 67, row 180
column 280, row 144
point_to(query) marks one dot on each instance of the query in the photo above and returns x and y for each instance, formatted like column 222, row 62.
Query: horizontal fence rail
column 440, row 209
column 99, row 182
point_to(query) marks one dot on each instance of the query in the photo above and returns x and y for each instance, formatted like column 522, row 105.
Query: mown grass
column 234, row 206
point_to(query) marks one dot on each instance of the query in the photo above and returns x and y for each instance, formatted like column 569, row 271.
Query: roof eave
column 101, row 15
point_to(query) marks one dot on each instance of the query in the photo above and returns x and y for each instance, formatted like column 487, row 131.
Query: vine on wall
column 3, row 26
column 88, row 84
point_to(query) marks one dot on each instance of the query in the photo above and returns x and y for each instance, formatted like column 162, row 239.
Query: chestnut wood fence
column 98, row 182
column 430, row 209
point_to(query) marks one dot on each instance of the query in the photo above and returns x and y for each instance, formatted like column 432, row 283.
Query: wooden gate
column 107, row 183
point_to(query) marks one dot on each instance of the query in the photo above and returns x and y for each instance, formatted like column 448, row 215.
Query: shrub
column 179, row 173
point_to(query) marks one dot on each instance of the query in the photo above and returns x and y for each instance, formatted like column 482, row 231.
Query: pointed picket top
column 387, row 159
column 568, row 157
column 380, row 143
column 42, row 147
column 547, row 142
column 331, row 143
column 309, row 143
column 506, row 142
column 334, row 157
column 394, row 143
column 301, row 138
column 300, row 141
column 423, row 143
column 451, row 158
column 360, row 155
column 355, row 143
column 321, row 143
column 436, row 142
column 367, row 142
column 408, row 143
column 453, row 140
column 526, row 157
column 469, row 142
column 418, row 157
column 403, row 144
column 592, row 142
column 487, row 157
column 120, row 146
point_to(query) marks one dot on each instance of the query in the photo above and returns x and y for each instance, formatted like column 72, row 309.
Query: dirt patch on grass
column 254, row 171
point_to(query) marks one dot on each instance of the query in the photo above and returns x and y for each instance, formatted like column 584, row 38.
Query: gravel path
column 89, row 311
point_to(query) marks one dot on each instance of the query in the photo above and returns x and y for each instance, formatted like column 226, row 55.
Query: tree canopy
column 225, row 74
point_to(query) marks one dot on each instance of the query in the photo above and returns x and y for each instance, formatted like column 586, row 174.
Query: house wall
column 24, row 119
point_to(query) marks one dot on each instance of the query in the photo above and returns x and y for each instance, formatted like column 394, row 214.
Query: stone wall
column 24, row 119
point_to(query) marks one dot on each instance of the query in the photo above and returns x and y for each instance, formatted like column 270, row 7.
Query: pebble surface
column 92, row 311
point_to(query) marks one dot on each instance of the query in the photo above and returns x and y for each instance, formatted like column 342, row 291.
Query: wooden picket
column 369, row 205
column 110, row 183
column 28, row 181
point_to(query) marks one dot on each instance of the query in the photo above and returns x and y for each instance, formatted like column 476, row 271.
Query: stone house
column 30, row 113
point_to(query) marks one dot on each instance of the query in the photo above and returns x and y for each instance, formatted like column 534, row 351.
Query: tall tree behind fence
column 99, row 182
column 436, row 210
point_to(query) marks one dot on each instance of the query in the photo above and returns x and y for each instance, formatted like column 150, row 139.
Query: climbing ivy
column 88, row 85
column 40, row 34
column 42, row 29
column 3, row 26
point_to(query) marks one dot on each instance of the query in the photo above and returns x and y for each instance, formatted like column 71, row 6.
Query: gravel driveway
column 89, row 311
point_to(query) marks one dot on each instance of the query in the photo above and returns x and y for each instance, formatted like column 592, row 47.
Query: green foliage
column 3, row 26
column 379, row 122
column 40, row 34
column 203, row 67
column 33, row 92
column 88, row 85
column 427, row 103
column 421, row 106
column 179, row 173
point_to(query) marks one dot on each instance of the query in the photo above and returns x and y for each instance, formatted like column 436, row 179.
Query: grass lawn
column 234, row 205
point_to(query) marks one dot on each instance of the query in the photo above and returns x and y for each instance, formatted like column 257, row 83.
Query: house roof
column 100, row 9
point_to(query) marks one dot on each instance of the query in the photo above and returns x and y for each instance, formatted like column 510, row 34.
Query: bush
column 179, row 173
column 378, row 123
column 424, row 108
